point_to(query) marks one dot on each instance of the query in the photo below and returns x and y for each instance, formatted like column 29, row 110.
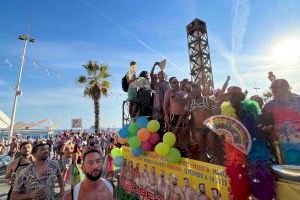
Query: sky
column 247, row 39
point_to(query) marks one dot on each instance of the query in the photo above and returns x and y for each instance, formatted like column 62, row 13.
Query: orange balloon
column 143, row 134
column 122, row 140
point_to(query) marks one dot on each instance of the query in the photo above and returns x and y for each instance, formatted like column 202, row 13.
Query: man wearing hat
column 18, row 164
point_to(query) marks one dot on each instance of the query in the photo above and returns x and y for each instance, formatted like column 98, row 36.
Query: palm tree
column 96, row 85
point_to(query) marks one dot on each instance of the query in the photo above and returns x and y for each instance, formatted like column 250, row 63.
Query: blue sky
column 247, row 39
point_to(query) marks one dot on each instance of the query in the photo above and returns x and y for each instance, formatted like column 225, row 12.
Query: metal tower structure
column 200, row 63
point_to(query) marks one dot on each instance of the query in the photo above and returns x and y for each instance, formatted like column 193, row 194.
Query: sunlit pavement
column 3, row 188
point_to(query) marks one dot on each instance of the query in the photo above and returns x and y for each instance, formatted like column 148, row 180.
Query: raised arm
column 152, row 70
column 225, row 85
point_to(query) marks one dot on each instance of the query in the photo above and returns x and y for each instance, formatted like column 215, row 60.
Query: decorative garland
column 259, row 159
column 235, row 162
column 257, row 174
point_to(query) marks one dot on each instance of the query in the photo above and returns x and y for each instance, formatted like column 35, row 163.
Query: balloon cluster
column 117, row 156
column 166, row 148
column 140, row 135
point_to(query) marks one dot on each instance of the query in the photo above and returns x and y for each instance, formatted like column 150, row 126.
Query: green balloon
column 134, row 142
column 169, row 138
column 153, row 126
column 162, row 149
column 174, row 155
column 116, row 152
column 133, row 129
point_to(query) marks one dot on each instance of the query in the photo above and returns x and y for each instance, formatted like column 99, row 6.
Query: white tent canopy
column 4, row 120
column 44, row 124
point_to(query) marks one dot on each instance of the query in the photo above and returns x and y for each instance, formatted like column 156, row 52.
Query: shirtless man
column 174, row 103
column 92, row 187
column 13, row 148
column 14, row 168
column 124, row 170
column 137, row 174
column 198, row 110
column 202, row 195
column 189, row 192
column 162, row 185
column 160, row 86
column 175, row 192
column 130, row 172
column 216, row 194
column 152, row 180
column 144, row 177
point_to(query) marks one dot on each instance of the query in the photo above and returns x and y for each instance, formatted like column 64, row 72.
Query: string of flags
column 49, row 72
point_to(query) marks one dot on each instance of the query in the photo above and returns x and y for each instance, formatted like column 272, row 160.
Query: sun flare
column 286, row 51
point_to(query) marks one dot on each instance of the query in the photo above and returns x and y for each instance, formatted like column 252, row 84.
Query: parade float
column 151, row 167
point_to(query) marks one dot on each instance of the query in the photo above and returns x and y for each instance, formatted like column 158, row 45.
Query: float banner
column 153, row 177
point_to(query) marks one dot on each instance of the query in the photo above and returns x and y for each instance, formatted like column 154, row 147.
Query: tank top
column 75, row 192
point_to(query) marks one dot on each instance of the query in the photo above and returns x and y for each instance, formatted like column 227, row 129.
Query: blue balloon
column 142, row 122
column 119, row 161
column 136, row 151
column 123, row 132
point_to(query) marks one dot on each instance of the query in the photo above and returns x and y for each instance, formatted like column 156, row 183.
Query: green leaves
column 81, row 79
column 96, row 83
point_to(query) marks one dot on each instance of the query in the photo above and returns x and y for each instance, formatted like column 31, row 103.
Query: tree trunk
column 97, row 114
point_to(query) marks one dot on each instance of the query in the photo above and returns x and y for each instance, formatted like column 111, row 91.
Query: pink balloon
column 154, row 138
column 147, row 146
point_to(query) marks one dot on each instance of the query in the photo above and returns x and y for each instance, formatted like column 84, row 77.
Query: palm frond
column 81, row 79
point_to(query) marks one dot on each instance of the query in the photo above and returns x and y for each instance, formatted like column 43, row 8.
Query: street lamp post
column 18, row 92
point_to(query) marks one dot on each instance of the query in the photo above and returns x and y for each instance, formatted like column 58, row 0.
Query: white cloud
column 241, row 13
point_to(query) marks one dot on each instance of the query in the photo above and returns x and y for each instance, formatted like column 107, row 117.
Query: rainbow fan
column 235, row 132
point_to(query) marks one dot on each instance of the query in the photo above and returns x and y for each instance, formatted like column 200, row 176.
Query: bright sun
column 286, row 51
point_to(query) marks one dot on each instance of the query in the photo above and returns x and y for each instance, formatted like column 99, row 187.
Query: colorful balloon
column 174, row 155
column 154, row 138
column 134, row 142
column 169, row 138
column 122, row 140
column 147, row 146
column 136, row 151
column 133, row 129
column 153, row 126
column 116, row 152
column 123, row 132
column 162, row 149
column 118, row 161
column 143, row 134
column 142, row 122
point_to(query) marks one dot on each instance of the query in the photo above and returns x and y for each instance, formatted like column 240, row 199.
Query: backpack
column 125, row 84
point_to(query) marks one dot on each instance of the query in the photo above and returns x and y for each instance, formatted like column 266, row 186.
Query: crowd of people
column 82, row 159
column 183, row 106
column 78, row 159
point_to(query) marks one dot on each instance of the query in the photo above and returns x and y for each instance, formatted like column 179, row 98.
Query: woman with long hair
column 76, row 175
